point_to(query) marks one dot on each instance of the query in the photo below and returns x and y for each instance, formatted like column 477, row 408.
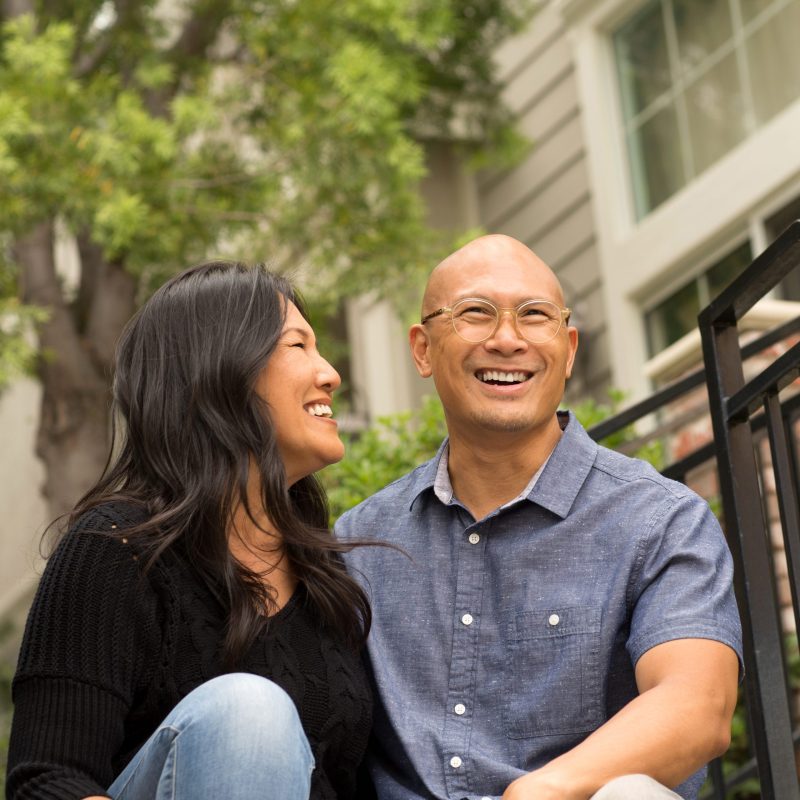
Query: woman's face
column 297, row 384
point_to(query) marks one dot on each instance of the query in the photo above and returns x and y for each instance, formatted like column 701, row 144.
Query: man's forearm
column 654, row 735
column 668, row 732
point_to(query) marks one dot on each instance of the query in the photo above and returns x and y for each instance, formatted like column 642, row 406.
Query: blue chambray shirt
column 500, row 643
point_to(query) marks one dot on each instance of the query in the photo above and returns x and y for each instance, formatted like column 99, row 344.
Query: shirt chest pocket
column 552, row 672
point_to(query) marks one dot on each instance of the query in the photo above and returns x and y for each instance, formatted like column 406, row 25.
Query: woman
column 195, row 633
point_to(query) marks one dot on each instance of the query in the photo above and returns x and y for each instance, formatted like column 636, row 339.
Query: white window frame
column 638, row 258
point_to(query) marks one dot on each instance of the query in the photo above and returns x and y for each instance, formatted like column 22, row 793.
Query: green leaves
column 287, row 132
column 383, row 453
column 17, row 349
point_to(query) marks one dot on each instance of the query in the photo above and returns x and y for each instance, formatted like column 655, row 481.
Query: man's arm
column 679, row 722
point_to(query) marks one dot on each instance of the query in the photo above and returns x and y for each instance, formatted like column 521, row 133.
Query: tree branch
column 199, row 33
column 114, row 304
column 90, row 61
column 40, row 286
column 15, row 8
column 91, row 263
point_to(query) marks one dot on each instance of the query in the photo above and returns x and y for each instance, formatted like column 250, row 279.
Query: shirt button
column 455, row 762
column 460, row 709
column 467, row 619
column 474, row 538
column 554, row 619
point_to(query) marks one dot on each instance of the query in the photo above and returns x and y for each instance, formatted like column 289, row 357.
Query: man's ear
column 572, row 335
column 420, row 349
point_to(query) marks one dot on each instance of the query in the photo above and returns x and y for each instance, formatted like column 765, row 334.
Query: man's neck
column 489, row 470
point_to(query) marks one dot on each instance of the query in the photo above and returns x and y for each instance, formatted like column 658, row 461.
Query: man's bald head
column 523, row 402
column 492, row 255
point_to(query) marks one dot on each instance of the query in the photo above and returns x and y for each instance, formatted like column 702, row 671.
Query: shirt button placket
column 461, row 689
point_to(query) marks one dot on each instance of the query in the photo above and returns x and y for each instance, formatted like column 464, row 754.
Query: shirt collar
column 554, row 486
column 568, row 467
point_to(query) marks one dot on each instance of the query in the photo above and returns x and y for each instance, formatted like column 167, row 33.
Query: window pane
column 673, row 318
column 641, row 53
column 656, row 161
column 728, row 268
column 703, row 26
column 773, row 56
column 716, row 113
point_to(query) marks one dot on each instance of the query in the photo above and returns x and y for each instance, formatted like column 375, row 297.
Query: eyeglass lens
column 537, row 321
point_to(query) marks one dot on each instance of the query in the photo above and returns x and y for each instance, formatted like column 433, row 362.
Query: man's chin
column 504, row 423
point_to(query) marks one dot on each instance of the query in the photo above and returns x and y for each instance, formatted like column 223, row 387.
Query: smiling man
column 562, row 623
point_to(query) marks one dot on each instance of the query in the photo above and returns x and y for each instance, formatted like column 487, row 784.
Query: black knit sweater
column 108, row 652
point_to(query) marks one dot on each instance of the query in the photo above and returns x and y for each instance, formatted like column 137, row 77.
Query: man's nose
column 507, row 331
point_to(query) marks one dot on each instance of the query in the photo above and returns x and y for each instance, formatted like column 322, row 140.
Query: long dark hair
column 184, row 386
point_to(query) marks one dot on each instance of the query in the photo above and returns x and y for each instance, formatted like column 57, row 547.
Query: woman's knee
column 236, row 736
column 240, row 706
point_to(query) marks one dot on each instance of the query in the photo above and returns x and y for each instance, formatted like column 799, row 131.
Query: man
column 564, row 615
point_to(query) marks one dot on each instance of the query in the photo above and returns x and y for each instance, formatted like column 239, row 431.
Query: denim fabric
column 235, row 737
column 500, row 643
column 634, row 787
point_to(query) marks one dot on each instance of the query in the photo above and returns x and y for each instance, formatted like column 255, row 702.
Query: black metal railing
column 733, row 402
column 744, row 414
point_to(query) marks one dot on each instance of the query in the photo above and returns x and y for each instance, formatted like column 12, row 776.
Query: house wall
column 640, row 260
column 24, row 514
column 547, row 200
column 384, row 377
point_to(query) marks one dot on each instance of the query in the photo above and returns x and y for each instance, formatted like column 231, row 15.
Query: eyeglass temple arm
column 435, row 314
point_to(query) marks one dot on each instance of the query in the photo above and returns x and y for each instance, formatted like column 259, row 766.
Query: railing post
column 766, row 679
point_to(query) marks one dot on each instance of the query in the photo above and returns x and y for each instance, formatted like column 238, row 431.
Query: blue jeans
column 635, row 787
column 235, row 737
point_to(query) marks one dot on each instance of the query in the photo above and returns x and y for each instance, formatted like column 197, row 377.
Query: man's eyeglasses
column 475, row 320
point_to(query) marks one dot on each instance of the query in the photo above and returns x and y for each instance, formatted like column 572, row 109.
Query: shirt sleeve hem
column 697, row 630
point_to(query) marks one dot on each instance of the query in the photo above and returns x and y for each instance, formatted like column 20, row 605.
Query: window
column 677, row 314
column 697, row 77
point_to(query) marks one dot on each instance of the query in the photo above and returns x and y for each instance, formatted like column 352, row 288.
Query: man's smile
column 497, row 376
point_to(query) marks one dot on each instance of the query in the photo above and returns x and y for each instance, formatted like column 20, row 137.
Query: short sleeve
column 683, row 587
column 89, row 642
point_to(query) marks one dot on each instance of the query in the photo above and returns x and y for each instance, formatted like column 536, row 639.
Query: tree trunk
column 73, row 435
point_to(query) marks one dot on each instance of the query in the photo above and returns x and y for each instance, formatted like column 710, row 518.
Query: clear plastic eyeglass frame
column 465, row 317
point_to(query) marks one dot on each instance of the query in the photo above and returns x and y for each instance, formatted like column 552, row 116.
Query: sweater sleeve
column 90, row 639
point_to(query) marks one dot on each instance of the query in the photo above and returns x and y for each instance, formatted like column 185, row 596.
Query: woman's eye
column 301, row 345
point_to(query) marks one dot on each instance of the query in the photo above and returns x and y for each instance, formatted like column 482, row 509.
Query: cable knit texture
column 109, row 651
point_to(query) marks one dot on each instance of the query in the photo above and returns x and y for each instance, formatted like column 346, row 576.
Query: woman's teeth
column 319, row 410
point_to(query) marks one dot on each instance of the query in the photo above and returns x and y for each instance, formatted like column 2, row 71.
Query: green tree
column 155, row 134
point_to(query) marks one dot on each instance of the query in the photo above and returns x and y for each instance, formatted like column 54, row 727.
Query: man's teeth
column 319, row 410
column 503, row 377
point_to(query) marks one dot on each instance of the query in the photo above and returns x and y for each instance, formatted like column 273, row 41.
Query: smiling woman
column 198, row 593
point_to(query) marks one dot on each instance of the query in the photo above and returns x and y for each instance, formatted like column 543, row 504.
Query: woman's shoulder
column 109, row 516
column 95, row 611
column 96, row 549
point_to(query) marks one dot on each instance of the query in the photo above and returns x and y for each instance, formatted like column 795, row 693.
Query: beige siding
column 21, row 475
column 546, row 200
